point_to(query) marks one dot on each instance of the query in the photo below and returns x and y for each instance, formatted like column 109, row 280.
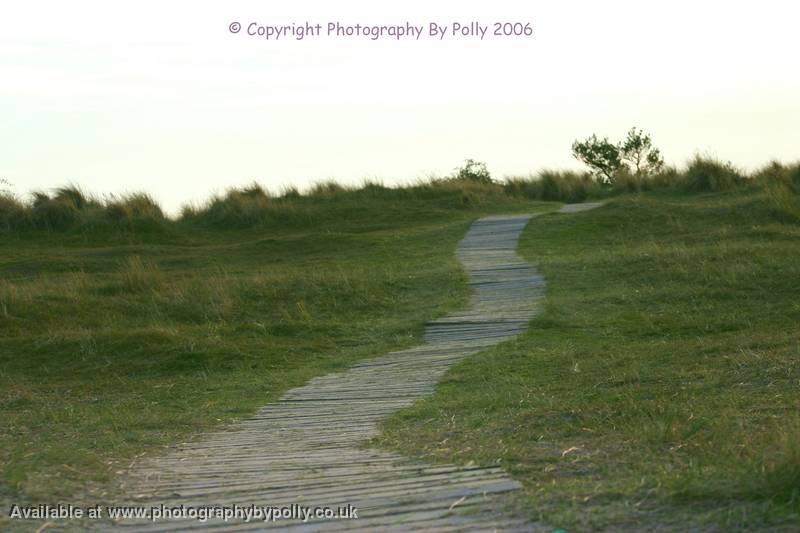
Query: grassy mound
column 659, row 385
column 666, row 344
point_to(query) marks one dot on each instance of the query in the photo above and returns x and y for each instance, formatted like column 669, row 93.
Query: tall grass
column 140, row 275
column 135, row 210
column 236, row 209
column 14, row 215
column 249, row 206
column 68, row 208
column 629, row 182
column 781, row 186
column 326, row 189
column 708, row 174
column 556, row 186
column 253, row 206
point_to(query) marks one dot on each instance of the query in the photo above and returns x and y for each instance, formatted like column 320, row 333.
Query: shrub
column 707, row 174
column 473, row 171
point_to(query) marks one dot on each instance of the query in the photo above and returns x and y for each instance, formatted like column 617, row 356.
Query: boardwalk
column 308, row 448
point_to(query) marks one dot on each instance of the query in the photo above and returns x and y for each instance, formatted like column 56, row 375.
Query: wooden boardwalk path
column 308, row 448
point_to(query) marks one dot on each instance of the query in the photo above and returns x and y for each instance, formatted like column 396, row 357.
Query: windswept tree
column 599, row 155
column 636, row 154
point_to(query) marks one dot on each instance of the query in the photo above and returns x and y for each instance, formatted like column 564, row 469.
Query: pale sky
column 161, row 97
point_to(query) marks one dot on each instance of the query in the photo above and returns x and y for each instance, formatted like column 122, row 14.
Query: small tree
column 636, row 152
column 474, row 171
column 599, row 155
column 639, row 152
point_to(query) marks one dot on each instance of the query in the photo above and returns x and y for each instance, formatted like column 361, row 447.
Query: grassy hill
column 658, row 384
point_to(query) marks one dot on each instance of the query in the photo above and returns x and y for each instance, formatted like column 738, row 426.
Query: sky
column 163, row 97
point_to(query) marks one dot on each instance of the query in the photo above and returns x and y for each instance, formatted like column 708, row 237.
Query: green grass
column 116, row 340
column 659, row 385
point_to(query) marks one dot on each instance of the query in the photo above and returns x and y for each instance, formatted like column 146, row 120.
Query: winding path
column 308, row 448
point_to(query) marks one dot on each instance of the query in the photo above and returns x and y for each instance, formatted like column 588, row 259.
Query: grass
column 70, row 209
column 708, row 174
column 658, row 387
column 550, row 185
column 119, row 337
